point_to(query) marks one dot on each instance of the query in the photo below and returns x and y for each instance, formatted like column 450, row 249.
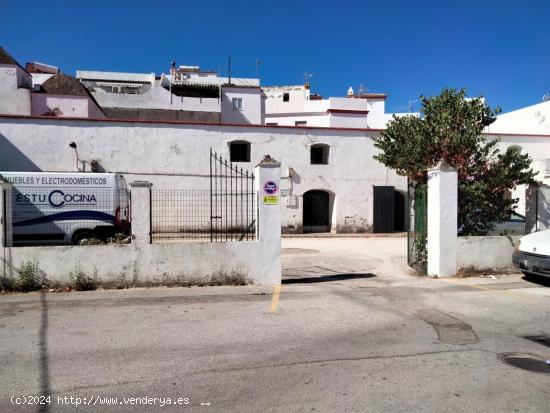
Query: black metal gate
column 383, row 209
column 316, row 212
column 233, row 204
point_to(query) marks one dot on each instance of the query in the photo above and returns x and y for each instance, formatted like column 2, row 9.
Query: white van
column 66, row 208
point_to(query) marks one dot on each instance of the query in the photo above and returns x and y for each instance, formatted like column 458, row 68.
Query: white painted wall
column 485, row 253
column 533, row 119
column 151, row 263
column 15, row 90
column 70, row 106
column 177, row 156
column 317, row 112
column 156, row 97
column 312, row 119
column 251, row 112
column 537, row 147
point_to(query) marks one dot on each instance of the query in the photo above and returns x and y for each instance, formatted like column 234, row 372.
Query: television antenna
column 307, row 77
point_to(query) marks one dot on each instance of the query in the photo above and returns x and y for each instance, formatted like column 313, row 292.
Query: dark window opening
column 319, row 154
column 286, row 97
column 239, row 151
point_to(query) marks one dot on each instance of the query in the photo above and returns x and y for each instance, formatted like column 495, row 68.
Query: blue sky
column 403, row 48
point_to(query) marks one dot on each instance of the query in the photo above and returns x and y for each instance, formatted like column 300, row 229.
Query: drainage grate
column 544, row 340
column 526, row 362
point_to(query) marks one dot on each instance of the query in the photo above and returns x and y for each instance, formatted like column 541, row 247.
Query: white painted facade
column 531, row 120
column 176, row 155
column 294, row 105
column 15, row 90
column 66, row 106
column 155, row 97
column 250, row 102
column 144, row 91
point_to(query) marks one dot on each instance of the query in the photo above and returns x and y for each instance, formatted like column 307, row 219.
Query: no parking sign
column 270, row 192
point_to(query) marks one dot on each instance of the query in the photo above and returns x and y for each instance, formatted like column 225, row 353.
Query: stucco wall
column 486, row 253
column 251, row 105
column 156, row 97
column 319, row 119
column 537, row 147
column 152, row 263
column 15, row 91
column 177, row 156
column 533, row 119
column 69, row 106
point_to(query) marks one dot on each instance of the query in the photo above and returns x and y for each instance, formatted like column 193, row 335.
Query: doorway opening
column 316, row 211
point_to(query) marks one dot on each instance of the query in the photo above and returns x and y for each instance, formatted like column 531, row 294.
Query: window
column 300, row 123
column 319, row 154
column 272, row 124
column 286, row 97
column 239, row 151
column 237, row 103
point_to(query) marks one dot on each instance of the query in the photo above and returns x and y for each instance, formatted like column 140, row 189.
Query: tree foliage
column 449, row 129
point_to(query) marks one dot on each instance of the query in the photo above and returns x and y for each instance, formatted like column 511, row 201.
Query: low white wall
column 486, row 253
column 144, row 264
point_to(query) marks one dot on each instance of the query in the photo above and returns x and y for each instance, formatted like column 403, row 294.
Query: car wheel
column 82, row 237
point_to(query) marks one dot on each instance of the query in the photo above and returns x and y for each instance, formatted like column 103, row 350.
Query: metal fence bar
column 225, row 212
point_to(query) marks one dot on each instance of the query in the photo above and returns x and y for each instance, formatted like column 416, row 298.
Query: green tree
column 449, row 129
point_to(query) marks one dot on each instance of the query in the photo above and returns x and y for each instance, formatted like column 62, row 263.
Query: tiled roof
column 6, row 59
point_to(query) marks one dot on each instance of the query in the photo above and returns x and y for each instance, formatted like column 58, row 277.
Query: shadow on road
column 537, row 279
column 45, row 389
column 327, row 278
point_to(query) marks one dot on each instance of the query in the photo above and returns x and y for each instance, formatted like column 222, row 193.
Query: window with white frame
column 237, row 103
column 300, row 123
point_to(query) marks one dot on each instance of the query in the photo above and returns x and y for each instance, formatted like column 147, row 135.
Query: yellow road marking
column 275, row 300
column 501, row 292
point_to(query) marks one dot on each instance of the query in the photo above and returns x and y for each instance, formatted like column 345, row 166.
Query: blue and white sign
column 270, row 187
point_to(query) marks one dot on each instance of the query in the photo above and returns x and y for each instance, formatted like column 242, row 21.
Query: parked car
column 532, row 254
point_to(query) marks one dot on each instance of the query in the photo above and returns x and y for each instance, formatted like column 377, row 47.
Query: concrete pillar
column 140, row 209
column 268, row 175
column 442, row 220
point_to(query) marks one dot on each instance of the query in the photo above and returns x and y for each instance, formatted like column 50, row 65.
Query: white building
column 329, row 174
column 330, row 180
column 296, row 106
column 15, row 86
column 186, row 94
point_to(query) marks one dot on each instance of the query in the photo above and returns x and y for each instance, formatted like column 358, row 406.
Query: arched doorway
column 316, row 216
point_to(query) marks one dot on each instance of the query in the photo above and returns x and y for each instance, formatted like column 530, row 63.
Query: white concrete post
column 140, row 211
column 268, row 175
column 442, row 220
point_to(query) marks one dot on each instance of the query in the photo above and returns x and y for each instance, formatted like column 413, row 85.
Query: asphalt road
column 351, row 331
